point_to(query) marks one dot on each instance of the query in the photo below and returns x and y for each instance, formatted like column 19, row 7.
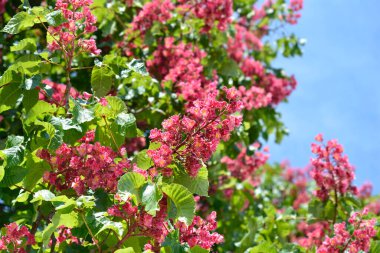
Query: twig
column 53, row 243
column 90, row 67
column 4, row 85
column 109, row 129
column 47, row 30
column 91, row 234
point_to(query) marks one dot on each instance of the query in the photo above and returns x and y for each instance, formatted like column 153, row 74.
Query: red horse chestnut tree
column 141, row 126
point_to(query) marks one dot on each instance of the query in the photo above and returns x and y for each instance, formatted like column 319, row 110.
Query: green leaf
column 36, row 168
column 32, row 82
column 55, row 18
column 138, row 66
column 265, row 247
column 45, row 195
column 172, row 244
column 2, row 173
column 28, row 64
column 52, row 138
column 10, row 94
column 291, row 248
column 151, row 195
column 198, row 185
column 230, row 68
column 130, row 184
column 10, row 76
column 25, row 44
column 69, row 220
column 65, row 123
column 85, row 201
column 14, row 140
column 63, row 204
column 22, row 197
column 316, row 208
column 126, row 250
column 40, row 109
column 19, row 22
column 183, row 200
column 13, row 155
column 105, row 223
column 114, row 107
column 284, row 228
column 101, row 80
column 126, row 123
column 375, row 246
column 13, row 175
column 81, row 114
column 142, row 160
column 198, row 249
column 30, row 99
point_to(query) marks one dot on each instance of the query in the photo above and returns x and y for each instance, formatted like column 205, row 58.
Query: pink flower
column 156, row 10
column 181, row 65
column 244, row 166
column 365, row 190
column 85, row 166
column 312, row 234
column 58, row 93
column 358, row 240
column 211, row 11
column 103, row 101
column 193, row 138
column 80, row 21
column 18, row 237
column 146, row 224
column 331, row 169
column 199, row 232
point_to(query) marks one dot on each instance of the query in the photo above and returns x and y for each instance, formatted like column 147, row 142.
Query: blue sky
column 339, row 85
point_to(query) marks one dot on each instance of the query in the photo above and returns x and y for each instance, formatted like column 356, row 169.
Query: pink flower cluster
column 244, row 166
column 331, row 169
column 312, row 234
column 299, row 179
column 2, row 6
column 181, row 65
column 254, row 97
column 156, row 10
column 358, row 240
column 266, row 88
column 278, row 88
column 243, row 41
column 294, row 8
column 374, row 207
column 80, row 21
column 58, row 93
column 155, row 227
column 211, row 11
column 193, row 138
column 365, row 190
column 84, row 166
column 65, row 235
column 16, row 238
column 199, row 232
column 270, row 90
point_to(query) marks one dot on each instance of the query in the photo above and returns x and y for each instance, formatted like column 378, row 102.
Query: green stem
column 90, row 232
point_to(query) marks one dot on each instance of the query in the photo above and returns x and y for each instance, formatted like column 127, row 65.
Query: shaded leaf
column 151, row 195
column 101, row 80
column 19, row 22
column 130, row 184
column 183, row 200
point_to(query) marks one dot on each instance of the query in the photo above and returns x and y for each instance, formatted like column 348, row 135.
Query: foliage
column 130, row 126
